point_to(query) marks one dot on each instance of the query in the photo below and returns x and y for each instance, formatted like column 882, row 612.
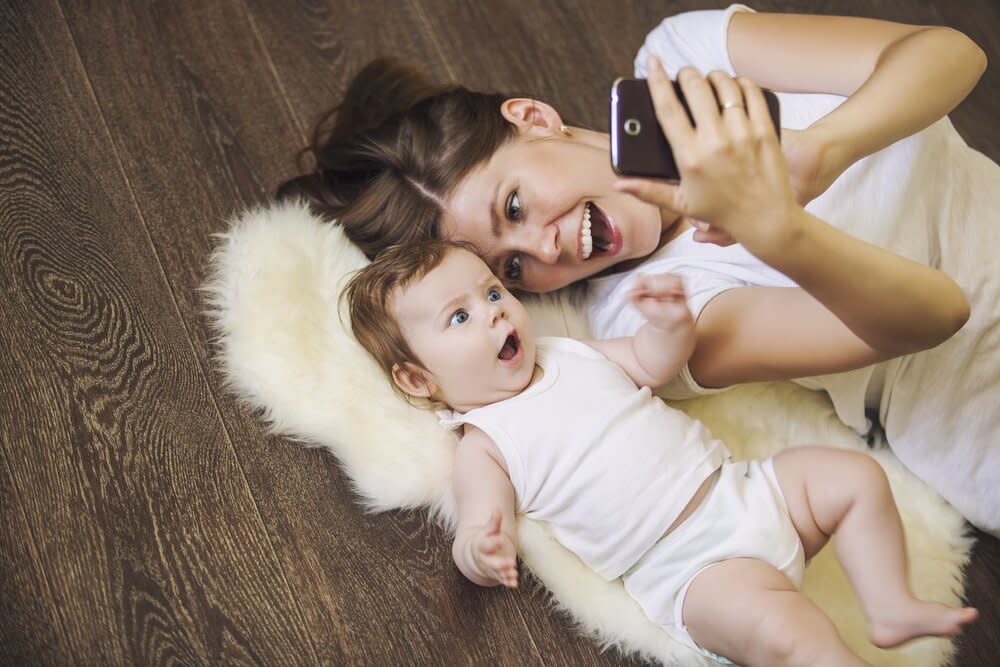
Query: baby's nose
column 497, row 313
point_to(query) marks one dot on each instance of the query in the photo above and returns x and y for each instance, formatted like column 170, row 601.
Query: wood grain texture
column 149, row 539
column 315, row 46
column 32, row 627
column 352, row 578
column 147, row 517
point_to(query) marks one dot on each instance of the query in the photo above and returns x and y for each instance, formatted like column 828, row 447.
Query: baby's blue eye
column 494, row 294
column 458, row 317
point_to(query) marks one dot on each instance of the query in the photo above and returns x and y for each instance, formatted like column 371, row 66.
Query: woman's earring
column 565, row 130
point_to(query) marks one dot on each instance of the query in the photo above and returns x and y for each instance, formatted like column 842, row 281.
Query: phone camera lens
column 632, row 127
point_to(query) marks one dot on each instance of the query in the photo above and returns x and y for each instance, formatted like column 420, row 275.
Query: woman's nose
column 547, row 244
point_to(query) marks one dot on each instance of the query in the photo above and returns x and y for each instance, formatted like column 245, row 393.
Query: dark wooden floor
column 146, row 517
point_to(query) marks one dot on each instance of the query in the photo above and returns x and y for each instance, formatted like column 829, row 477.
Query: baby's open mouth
column 598, row 237
column 511, row 346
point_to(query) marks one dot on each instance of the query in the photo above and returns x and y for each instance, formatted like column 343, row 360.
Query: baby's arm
column 660, row 348
column 485, row 547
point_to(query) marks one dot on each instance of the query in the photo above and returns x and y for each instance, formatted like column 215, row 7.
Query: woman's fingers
column 757, row 111
column 762, row 127
column 701, row 100
column 732, row 106
column 669, row 112
column 713, row 235
column 661, row 193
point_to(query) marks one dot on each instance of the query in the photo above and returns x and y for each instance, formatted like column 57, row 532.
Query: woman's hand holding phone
column 733, row 176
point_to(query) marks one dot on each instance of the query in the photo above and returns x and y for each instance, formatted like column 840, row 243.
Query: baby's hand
column 661, row 300
column 494, row 553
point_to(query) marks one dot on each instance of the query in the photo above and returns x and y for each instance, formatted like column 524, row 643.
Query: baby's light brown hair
column 370, row 292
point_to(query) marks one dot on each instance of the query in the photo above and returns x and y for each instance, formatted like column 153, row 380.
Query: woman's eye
column 512, row 269
column 513, row 210
column 494, row 295
column 458, row 317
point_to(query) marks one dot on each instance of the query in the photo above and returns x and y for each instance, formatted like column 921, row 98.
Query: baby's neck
column 536, row 375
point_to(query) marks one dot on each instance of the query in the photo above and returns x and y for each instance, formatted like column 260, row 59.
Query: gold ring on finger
column 731, row 104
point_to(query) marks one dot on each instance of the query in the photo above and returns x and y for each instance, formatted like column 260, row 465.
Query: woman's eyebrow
column 494, row 218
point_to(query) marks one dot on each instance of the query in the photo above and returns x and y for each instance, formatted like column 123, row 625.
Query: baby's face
column 472, row 337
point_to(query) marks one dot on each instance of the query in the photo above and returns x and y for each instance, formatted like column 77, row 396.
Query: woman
column 809, row 293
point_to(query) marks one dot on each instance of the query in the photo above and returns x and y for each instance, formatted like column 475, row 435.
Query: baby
column 569, row 433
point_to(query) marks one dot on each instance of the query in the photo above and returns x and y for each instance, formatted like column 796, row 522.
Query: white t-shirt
column 928, row 197
column 607, row 465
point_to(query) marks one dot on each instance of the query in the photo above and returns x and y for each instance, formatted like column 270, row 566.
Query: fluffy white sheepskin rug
column 273, row 297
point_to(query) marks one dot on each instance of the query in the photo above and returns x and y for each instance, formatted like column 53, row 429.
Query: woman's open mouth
column 511, row 352
column 598, row 236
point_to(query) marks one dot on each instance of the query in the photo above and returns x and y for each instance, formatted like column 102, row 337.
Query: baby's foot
column 917, row 619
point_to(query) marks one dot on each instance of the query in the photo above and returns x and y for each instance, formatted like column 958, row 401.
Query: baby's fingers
column 662, row 285
column 491, row 544
column 493, row 525
column 505, row 571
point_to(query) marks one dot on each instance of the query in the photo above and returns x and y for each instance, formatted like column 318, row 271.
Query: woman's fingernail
column 653, row 63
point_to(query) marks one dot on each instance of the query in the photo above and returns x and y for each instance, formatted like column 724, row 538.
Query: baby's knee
column 793, row 635
column 866, row 472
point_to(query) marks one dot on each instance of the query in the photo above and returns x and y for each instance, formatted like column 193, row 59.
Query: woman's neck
column 671, row 229
column 674, row 224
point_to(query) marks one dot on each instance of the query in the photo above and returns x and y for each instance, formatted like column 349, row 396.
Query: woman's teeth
column 589, row 242
column 586, row 238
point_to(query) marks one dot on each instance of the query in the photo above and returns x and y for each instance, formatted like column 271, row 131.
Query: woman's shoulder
column 695, row 38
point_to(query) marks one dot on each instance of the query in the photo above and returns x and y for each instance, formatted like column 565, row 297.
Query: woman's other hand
column 813, row 163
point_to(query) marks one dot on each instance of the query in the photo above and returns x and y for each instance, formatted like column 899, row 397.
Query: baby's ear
column 413, row 380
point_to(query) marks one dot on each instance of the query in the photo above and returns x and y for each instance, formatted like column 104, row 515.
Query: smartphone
column 638, row 146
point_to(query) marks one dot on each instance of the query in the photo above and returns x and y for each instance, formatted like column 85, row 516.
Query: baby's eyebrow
column 461, row 297
column 445, row 310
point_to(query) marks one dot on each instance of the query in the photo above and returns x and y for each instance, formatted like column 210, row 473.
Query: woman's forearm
column 894, row 304
column 916, row 80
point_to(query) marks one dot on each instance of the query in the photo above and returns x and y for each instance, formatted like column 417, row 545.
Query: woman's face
column 543, row 213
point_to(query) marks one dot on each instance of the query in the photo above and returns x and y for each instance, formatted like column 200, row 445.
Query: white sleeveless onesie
column 606, row 464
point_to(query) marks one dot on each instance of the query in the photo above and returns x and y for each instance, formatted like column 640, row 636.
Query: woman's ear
column 413, row 380
column 531, row 116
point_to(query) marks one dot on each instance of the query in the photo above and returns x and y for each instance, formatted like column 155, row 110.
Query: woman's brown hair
column 393, row 151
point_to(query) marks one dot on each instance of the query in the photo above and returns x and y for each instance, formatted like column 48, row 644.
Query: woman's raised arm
column 899, row 79
column 734, row 177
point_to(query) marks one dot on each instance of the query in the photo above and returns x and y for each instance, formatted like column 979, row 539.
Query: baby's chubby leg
column 751, row 613
column 833, row 490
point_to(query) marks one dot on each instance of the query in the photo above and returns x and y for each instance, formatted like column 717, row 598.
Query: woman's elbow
column 949, row 318
column 959, row 315
column 940, row 320
column 973, row 57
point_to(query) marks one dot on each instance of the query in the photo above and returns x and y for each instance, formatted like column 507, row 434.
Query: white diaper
column 743, row 516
